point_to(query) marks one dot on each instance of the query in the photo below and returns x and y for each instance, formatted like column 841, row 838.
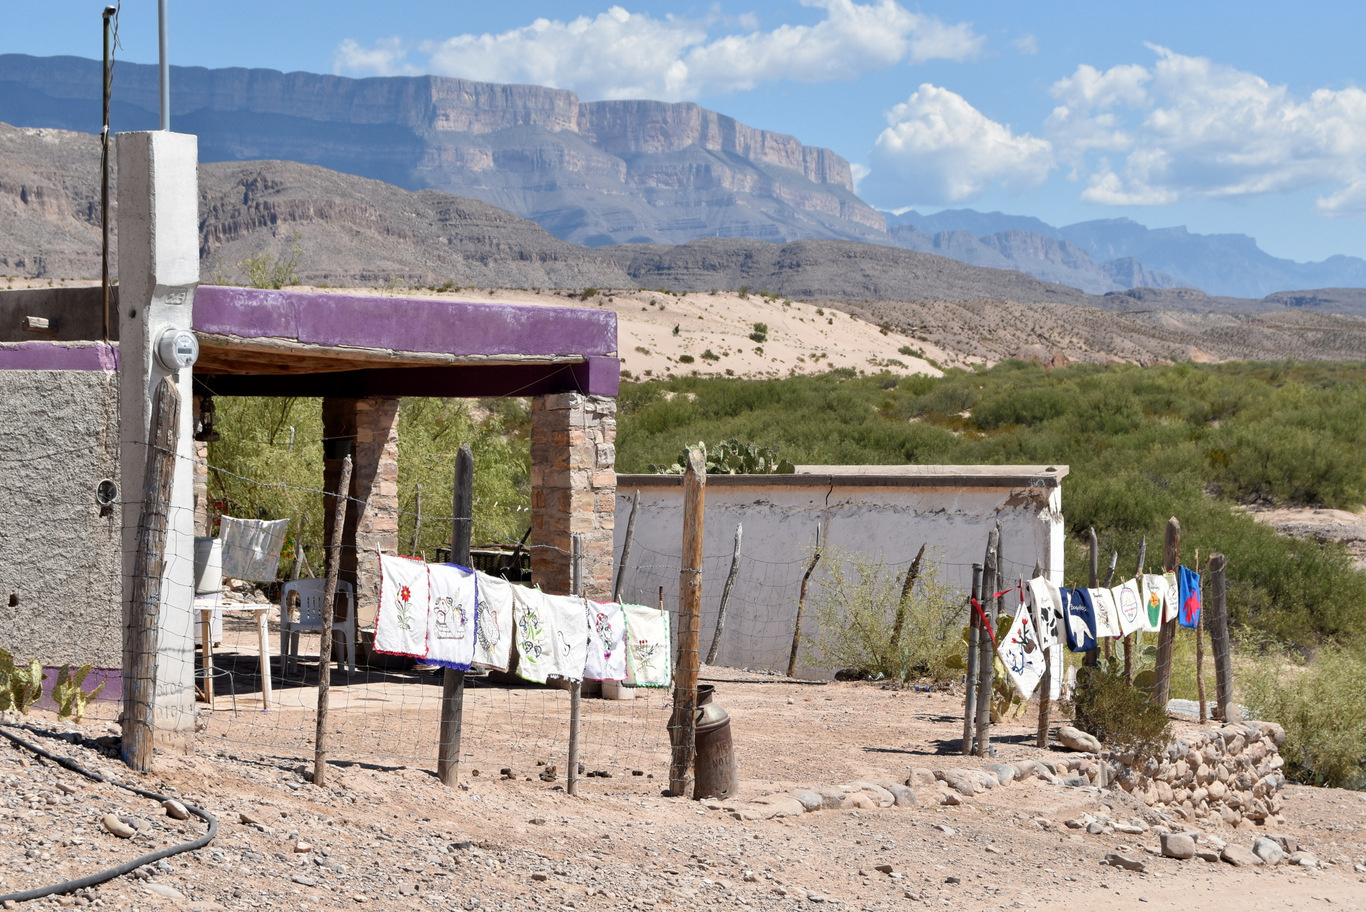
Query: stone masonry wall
column 573, row 490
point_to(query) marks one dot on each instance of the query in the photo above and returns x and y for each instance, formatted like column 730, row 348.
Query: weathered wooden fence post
column 801, row 608
column 975, row 633
column 725, row 595
column 149, row 564
column 1091, row 658
column 1166, row 639
column 986, row 670
column 575, row 687
column 340, row 498
column 683, row 721
column 1218, row 635
column 1129, row 640
column 904, row 604
column 453, row 681
column 626, row 546
column 1045, row 685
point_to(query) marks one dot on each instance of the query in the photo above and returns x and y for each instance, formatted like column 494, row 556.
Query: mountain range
column 621, row 172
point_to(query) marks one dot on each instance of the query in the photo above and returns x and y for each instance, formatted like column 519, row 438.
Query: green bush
column 1117, row 712
column 1322, row 706
column 857, row 602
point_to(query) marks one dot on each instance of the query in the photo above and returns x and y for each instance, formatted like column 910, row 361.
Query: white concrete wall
column 883, row 518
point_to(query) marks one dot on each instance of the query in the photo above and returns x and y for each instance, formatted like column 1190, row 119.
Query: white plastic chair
column 307, row 596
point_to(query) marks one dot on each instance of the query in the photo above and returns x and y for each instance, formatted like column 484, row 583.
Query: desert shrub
column 686, row 359
column 1322, row 706
column 857, row 602
column 1117, row 712
column 264, row 270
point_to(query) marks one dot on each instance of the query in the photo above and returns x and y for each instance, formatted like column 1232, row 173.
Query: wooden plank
column 149, row 564
column 683, row 721
column 974, row 635
column 1219, row 640
column 453, row 681
column 575, row 687
column 986, row 670
column 626, row 547
column 1166, row 638
column 340, row 498
column 801, row 610
column 725, row 593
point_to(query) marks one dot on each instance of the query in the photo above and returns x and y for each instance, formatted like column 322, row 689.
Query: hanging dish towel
column 251, row 547
column 492, row 621
column 1173, row 597
column 1129, row 602
column 1045, row 612
column 1081, row 621
column 452, row 619
column 1188, row 582
column 1154, row 600
column 552, row 635
column 1107, row 614
column 531, row 632
column 401, row 625
column 649, row 655
column 1021, row 654
column 606, row 642
column 568, row 619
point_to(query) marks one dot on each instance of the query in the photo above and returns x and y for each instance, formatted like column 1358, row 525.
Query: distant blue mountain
column 1124, row 250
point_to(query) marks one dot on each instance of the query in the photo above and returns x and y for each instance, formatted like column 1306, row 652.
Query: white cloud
column 386, row 58
column 938, row 149
column 620, row 54
column 1189, row 127
column 1026, row 44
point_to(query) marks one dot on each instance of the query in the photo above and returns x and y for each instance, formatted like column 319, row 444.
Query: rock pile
column 1232, row 773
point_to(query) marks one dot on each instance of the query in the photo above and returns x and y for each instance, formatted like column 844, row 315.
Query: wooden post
column 725, row 595
column 1166, row 638
column 974, row 633
column 904, row 604
column 340, row 498
column 148, row 566
column 683, row 722
column 417, row 521
column 1109, row 578
column 453, row 681
column 1218, row 636
column 1129, row 640
column 1091, row 658
column 986, row 670
column 801, row 609
column 626, row 546
column 1200, row 666
column 1046, row 685
column 575, row 687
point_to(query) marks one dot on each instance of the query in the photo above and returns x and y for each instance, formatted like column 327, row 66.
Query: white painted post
column 158, row 196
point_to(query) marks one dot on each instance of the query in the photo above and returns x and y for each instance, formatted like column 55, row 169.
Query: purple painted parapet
column 405, row 324
column 72, row 356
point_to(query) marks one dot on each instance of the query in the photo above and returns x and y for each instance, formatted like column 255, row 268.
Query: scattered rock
column 809, row 799
column 540, row 876
column 1240, row 856
column 1004, row 772
column 303, row 881
column 163, row 891
column 950, row 799
column 946, row 830
column 779, row 806
column 901, row 794
column 113, row 824
column 1114, row 859
column 302, row 848
column 921, row 778
column 1178, row 845
column 537, row 821
column 884, row 868
column 1072, row 737
column 1303, row 859
column 175, row 810
column 1268, row 850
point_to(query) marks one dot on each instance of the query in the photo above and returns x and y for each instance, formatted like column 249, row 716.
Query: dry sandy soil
column 384, row 834
column 1320, row 524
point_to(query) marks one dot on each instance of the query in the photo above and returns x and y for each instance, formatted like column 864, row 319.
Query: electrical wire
column 99, row 877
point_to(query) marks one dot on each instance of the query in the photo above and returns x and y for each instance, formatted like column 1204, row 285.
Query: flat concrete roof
column 892, row 476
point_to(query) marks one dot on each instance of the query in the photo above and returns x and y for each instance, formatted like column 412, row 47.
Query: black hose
column 90, row 880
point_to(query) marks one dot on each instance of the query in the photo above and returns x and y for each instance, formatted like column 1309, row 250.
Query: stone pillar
column 158, row 197
column 573, row 489
column 201, row 477
column 368, row 430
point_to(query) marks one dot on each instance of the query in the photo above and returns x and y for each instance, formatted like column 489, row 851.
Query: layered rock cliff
column 591, row 172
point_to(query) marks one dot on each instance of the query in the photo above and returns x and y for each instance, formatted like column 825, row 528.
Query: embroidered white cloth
column 649, row 652
column 606, row 642
column 552, row 635
column 1173, row 597
column 492, row 621
column 452, row 620
column 1021, row 654
column 1107, row 614
column 1154, row 600
column 1045, row 611
column 251, row 547
column 401, row 624
column 1129, row 601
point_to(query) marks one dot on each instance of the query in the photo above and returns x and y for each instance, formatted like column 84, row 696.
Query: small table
column 207, row 604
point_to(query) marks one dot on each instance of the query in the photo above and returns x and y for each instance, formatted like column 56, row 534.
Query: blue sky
column 1225, row 117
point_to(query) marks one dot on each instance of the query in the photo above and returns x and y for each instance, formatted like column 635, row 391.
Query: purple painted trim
column 405, row 324
column 73, row 356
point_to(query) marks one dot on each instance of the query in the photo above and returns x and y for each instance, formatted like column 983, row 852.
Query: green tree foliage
column 264, row 270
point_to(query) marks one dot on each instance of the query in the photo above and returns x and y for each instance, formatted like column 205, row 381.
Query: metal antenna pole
column 164, row 41
column 109, row 13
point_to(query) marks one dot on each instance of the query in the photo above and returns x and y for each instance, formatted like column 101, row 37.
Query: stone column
column 573, row 489
column 368, row 430
column 158, row 199
column 201, row 476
